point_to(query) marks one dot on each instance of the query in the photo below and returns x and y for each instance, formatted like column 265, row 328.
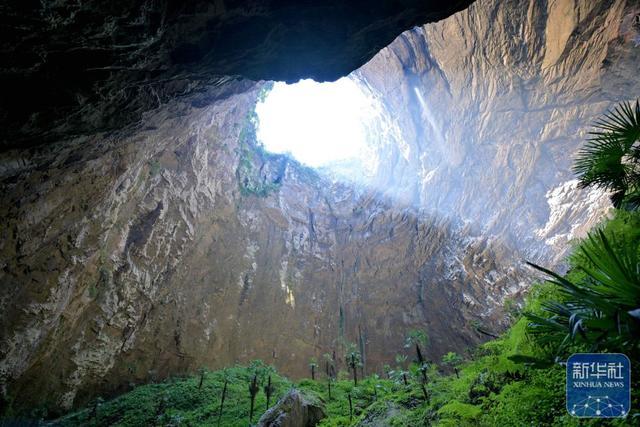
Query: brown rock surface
column 492, row 105
column 142, row 257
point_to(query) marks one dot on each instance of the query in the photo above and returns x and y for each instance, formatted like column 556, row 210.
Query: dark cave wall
column 76, row 68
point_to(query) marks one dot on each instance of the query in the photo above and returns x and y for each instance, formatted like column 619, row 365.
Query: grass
column 182, row 402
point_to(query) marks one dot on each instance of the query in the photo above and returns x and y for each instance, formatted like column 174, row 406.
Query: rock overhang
column 88, row 67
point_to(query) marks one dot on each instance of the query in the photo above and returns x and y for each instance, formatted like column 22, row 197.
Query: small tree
column 376, row 385
column 386, row 368
column 330, row 366
column 253, row 391
column 418, row 338
column 261, row 369
column 224, row 394
column 313, row 364
column 268, row 391
column 400, row 372
column 162, row 406
column 420, row 370
column 202, row 372
column 452, row 359
column 353, row 361
column 94, row 409
column 330, row 370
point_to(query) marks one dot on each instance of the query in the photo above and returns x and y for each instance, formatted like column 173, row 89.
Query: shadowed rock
column 293, row 410
column 77, row 68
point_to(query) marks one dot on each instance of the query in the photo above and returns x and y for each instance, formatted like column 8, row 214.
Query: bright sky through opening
column 317, row 123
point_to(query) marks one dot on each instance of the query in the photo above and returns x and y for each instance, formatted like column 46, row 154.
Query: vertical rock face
column 187, row 246
column 127, row 258
column 492, row 104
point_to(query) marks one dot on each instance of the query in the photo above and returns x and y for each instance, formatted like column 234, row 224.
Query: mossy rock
column 295, row 409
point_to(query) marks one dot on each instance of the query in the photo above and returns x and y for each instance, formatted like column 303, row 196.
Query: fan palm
column 602, row 308
column 452, row 359
column 611, row 157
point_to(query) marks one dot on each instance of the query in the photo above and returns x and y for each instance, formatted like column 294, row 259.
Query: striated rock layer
column 491, row 107
column 130, row 257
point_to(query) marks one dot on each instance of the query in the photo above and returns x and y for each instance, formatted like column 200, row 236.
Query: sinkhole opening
column 322, row 125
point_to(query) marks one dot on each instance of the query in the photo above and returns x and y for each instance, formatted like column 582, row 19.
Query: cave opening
column 325, row 126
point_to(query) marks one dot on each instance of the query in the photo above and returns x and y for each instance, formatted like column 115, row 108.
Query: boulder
column 294, row 410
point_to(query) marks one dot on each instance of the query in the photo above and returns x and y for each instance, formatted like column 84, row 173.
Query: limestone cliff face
column 493, row 102
column 188, row 246
column 133, row 256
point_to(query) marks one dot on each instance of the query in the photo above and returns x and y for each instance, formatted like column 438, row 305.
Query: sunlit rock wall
column 493, row 103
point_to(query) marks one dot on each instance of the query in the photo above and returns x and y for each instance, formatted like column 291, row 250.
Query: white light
column 317, row 123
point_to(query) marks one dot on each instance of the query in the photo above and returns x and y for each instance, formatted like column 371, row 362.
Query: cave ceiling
column 77, row 68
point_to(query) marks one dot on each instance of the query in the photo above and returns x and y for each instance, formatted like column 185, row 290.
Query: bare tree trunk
column 224, row 394
column 355, row 375
column 424, row 392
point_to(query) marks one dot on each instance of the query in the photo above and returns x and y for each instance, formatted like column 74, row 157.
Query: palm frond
column 599, row 309
column 600, row 163
column 611, row 156
column 621, row 123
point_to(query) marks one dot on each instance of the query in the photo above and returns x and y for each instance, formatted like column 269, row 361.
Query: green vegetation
column 611, row 157
column 453, row 360
column 599, row 304
column 399, row 373
column 353, row 361
column 269, row 389
column 254, row 388
column 259, row 173
column 182, row 401
column 313, row 364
